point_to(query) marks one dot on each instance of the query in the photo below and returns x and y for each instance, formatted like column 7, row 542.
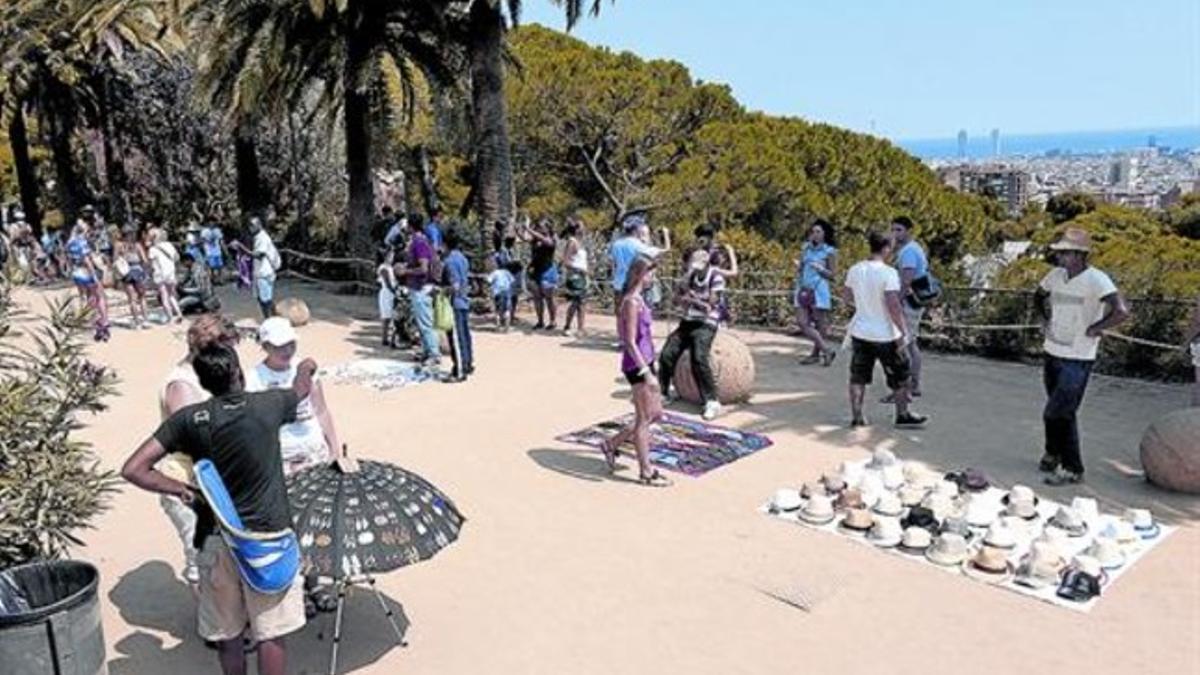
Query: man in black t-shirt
column 239, row 433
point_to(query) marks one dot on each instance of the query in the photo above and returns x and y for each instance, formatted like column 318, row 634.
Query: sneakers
column 1048, row 463
column 911, row 419
column 827, row 357
column 1063, row 477
column 711, row 410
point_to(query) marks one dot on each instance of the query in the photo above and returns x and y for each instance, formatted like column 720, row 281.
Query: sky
column 926, row 68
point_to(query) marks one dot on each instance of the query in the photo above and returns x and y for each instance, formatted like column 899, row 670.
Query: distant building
column 962, row 143
column 1132, row 199
column 1009, row 186
column 1123, row 172
column 995, row 142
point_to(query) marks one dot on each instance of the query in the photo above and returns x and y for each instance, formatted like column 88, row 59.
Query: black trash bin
column 50, row 620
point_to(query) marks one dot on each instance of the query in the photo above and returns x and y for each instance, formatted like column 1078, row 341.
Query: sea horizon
column 1072, row 142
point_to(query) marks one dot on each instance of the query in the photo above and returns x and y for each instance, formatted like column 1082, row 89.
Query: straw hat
column 990, row 565
column 915, row 540
column 857, row 520
column 950, row 548
column 911, row 495
column 818, row 510
column 1143, row 522
column 1000, row 536
column 1073, row 239
column 1041, row 567
column 941, row 505
column 892, row 476
column 918, row 475
column 889, row 505
column 810, row 489
column 881, row 458
column 849, row 498
column 1107, row 551
column 1069, row 520
column 980, row 513
column 1087, row 507
column 833, row 483
column 1123, row 532
column 886, row 532
column 786, row 500
column 919, row 516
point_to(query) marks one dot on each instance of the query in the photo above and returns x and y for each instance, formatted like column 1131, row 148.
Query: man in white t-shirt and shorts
column 1079, row 303
column 878, row 332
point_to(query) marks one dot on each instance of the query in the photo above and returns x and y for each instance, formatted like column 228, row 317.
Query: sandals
column 655, row 479
column 610, row 454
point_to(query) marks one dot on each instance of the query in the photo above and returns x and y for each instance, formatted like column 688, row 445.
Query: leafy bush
column 51, row 484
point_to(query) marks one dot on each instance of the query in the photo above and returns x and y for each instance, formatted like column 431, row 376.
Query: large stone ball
column 1171, row 451
column 294, row 310
column 733, row 368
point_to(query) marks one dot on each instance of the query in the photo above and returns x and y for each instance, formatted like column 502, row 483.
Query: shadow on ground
column 154, row 602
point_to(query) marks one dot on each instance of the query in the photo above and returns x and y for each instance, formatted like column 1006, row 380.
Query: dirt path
column 563, row 570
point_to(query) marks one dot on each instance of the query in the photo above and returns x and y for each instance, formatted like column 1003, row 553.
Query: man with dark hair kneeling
column 239, row 433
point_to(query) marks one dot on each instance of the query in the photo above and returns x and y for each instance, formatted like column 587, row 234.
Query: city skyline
column 916, row 72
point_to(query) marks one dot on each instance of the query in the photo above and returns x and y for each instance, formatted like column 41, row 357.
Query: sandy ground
column 562, row 569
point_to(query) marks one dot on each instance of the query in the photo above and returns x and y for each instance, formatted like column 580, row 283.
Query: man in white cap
column 1082, row 303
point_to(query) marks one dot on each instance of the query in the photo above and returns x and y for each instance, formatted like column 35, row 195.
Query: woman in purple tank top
column 634, row 323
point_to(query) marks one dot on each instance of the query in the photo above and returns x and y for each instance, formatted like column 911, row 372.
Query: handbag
column 926, row 290
column 443, row 313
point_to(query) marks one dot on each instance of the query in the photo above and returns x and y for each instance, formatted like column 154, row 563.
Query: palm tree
column 483, row 37
column 270, row 58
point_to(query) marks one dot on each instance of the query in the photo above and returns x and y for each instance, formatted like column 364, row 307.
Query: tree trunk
column 115, row 179
column 18, row 139
column 357, row 117
column 249, row 178
column 428, row 184
column 489, row 119
column 72, row 194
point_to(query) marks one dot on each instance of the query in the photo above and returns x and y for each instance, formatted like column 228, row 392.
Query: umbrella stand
column 343, row 586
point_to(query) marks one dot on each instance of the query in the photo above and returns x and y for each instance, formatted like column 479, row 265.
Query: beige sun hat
column 818, row 510
column 849, row 498
column 916, row 540
column 810, row 489
column 1041, row 567
column 886, row 532
column 911, row 495
column 1087, row 508
column 989, row 564
column 1000, row 536
column 1073, row 239
column 950, row 548
column 1056, row 539
column 889, row 505
column 1107, row 551
column 857, row 520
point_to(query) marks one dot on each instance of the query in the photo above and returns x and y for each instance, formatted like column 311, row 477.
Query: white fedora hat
column 1056, row 539
column 918, row 475
column 1041, row 567
column 981, row 512
column 857, row 521
column 1123, row 532
column 871, row 488
column 889, row 505
column 946, row 488
column 1087, row 507
column 850, row 472
column 941, row 505
column 1000, row 536
column 892, row 476
column 1142, row 521
column 916, row 540
column 1069, row 520
column 1088, row 565
column 1107, row 551
column 880, row 458
column 886, row 532
column 989, row 564
column 950, row 548
column 786, row 500
column 818, row 510
column 911, row 495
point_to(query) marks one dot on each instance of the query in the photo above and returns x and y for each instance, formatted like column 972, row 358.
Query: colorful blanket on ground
column 680, row 443
column 381, row 374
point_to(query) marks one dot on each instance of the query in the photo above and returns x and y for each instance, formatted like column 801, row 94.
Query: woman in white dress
column 385, row 274
column 163, row 260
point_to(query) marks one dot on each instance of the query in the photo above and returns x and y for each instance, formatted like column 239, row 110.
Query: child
column 385, row 273
column 501, row 281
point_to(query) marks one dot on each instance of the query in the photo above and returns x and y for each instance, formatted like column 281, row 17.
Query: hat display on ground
column 892, row 476
column 1069, row 520
column 1087, row 508
column 786, row 500
column 1000, row 536
column 1107, row 551
column 881, row 458
column 857, row 520
column 889, row 505
column 886, row 532
column 1041, row 567
column 919, row 516
column 818, row 510
column 849, row 498
column 1143, row 522
column 989, row 564
column 915, row 540
column 911, row 495
column 949, row 548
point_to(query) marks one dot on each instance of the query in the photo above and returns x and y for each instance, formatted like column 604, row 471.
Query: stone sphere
column 1171, row 451
column 294, row 310
column 733, row 369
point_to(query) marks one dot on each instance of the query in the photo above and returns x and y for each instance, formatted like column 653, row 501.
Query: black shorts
column 889, row 354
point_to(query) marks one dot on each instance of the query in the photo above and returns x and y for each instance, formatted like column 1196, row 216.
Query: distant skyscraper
column 1152, row 142
column 995, row 142
column 962, row 143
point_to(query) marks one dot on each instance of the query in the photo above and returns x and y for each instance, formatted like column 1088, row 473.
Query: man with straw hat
column 1078, row 303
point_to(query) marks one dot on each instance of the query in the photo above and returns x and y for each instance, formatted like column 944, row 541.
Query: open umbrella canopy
column 355, row 523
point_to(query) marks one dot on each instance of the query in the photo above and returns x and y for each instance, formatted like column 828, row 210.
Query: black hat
column 1079, row 586
column 919, row 516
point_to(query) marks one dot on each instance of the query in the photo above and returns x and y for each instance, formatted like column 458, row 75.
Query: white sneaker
column 711, row 410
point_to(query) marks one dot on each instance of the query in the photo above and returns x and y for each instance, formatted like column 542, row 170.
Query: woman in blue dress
column 817, row 267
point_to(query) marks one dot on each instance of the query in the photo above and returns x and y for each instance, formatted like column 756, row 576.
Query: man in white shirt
column 878, row 332
column 1083, row 303
column 266, row 263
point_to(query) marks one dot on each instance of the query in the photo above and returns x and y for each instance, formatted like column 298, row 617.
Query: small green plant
column 51, row 484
